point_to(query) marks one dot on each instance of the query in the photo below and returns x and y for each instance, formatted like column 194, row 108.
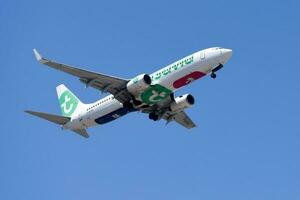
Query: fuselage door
column 202, row 55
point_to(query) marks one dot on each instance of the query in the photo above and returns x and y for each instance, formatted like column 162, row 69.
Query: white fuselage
column 171, row 77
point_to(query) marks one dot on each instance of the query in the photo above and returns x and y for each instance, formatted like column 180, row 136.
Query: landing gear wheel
column 137, row 102
column 153, row 116
column 213, row 75
column 128, row 105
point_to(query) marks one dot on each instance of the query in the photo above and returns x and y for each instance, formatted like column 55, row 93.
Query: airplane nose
column 226, row 54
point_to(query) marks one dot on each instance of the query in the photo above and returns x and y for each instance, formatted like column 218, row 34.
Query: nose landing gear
column 213, row 71
column 213, row 75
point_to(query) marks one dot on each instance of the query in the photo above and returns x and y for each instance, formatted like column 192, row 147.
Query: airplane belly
column 112, row 115
column 111, row 112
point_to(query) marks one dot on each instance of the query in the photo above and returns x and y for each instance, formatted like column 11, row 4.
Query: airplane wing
column 181, row 118
column 163, row 109
column 102, row 82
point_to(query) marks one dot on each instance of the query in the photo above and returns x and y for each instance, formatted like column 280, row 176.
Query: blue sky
column 247, row 142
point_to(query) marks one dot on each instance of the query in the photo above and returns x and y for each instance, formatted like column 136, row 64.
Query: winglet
column 39, row 57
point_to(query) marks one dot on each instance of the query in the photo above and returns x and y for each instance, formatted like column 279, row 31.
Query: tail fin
column 68, row 102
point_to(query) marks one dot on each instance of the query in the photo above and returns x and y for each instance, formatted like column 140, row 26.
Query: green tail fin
column 68, row 102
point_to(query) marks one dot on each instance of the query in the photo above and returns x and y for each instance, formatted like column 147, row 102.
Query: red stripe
column 188, row 79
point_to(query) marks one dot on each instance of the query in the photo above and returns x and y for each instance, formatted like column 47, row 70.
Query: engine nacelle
column 139, row 83
column 182, row 102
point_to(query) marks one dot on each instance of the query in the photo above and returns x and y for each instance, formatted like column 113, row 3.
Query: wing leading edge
column 102, row 82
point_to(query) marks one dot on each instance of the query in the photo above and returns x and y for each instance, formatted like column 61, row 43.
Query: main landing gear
column 128, row 105
column 213, row 72
column 153, row 116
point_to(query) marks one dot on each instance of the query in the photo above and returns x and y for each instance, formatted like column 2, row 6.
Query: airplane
column 151, row 94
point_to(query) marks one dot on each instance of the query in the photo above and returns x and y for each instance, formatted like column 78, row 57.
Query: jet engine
column 182, row 102
column 139, row 83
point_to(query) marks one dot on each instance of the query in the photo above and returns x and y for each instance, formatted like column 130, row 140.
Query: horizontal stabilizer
column 81, row 132
column 50, row 117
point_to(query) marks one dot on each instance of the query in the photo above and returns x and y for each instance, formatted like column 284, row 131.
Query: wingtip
column 38, row 56
column 29, row 112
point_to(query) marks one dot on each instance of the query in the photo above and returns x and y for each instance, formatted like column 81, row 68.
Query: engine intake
column 139, row 83
column 182, row 102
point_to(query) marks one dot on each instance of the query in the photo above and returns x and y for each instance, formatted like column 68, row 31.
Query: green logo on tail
column 68, row 103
